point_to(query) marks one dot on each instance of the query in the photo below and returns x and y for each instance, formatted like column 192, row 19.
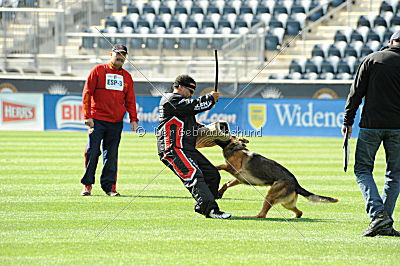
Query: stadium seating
column 341, row 59
column 226, row 17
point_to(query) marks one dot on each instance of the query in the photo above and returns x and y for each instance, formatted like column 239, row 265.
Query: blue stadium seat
column 143, row 23
column 356, row 36
column 366, row 50
column 275, row 23
column 340, row 36
column 363, row 21
column 327, row 67
column 132, row 9
column 111, row 22
column 229, row 10
column 318, row 13
column 207, row 24
column 297, row 8
column 271, row 42
column 318, row 51
column 380, row 21
column 293, row 27
column 385, row 6
column 334, row 51
column 224, row 24
column 350, row 51
column 336, row 3
column 240, row 24
column 343, row 66
column 262, row 10
column 295, row 67
column 373, row 36
column 175, row 23
column 126, row 22
column 192, row 24
column 310, row 67
column 245, row 10
column 148, row 9
column 387, row 35
column 395, row 20
column 164, row 10
column 280, row 8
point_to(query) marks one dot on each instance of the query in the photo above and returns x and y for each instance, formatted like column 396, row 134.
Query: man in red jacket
column 108, row 94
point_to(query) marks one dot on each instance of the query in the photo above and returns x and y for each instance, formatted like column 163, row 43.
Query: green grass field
column 44, row 220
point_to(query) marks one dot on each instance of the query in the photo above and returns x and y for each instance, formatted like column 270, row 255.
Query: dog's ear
column 243, row 140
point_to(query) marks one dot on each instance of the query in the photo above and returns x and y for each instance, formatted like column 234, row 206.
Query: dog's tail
column 314, row 198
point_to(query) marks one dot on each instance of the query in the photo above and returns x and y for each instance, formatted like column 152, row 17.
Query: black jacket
column 177, row 122
column 378, row 80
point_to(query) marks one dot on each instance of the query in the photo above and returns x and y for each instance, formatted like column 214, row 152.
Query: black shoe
column 87, row 190
column 216, row 214
column 389, row 232
column 379, row 222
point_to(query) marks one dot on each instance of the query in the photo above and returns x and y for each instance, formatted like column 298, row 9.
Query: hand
column 134, row 125
column 89, row 122
column 347, row 128
column 215, row 94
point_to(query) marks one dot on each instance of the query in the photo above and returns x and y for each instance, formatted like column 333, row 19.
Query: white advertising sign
column 21, row 111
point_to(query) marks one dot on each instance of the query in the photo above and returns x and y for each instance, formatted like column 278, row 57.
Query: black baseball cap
column 120, row 48
column 395, row 36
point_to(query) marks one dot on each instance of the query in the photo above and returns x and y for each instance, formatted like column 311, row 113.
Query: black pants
column 197, row 174
column 109, row 134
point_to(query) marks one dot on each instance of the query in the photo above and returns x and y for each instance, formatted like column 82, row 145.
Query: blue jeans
column 368, row 143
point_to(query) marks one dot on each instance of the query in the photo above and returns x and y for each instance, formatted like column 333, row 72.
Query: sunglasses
column 190, row 89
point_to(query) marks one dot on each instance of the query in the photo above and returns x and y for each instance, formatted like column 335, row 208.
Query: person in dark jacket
column 176, row 141
column 378, row 82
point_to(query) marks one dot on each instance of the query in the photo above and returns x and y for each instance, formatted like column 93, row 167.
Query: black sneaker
column 87, row 190
column 379, row 222
column 389, row 232
column 216, row 214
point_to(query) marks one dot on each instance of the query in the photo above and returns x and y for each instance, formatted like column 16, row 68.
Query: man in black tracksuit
column 176, row 141
column 378, row 82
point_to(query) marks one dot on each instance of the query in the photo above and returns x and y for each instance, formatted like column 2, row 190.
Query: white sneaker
column 218, row 215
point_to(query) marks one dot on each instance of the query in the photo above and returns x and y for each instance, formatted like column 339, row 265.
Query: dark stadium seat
column 329, row 65
column 334, row 51
column 164, row 10
column 159, row 23
column 297, row 8
column 385, row 6
column 350, row 51
column 262, row 10
column 293, row 27
column 132, row 9
column 280, row 8
column 395, row 20
column 380, row 21
column 111, row 22
column 343, row 66
column 175, row 23
column 229, row 10
column 271, row 42
column 366, row 50
column 310, row 67
column 317, row 13
column 207, row 24
column 192, row 24
column 336, row 3
column 245, row 10
column 387, row 35
column 224, row 24
column 126, row 22
column 240, row 24
column 295, row 67
column 356, row 36
column 373, row 36
column 318, row 51
column 363, row 21
column 143, row 23
column 340, row 36
column 275, row 23
column 148, row 9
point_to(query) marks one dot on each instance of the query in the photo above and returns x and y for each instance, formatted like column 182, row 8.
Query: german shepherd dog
column 254, row 169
